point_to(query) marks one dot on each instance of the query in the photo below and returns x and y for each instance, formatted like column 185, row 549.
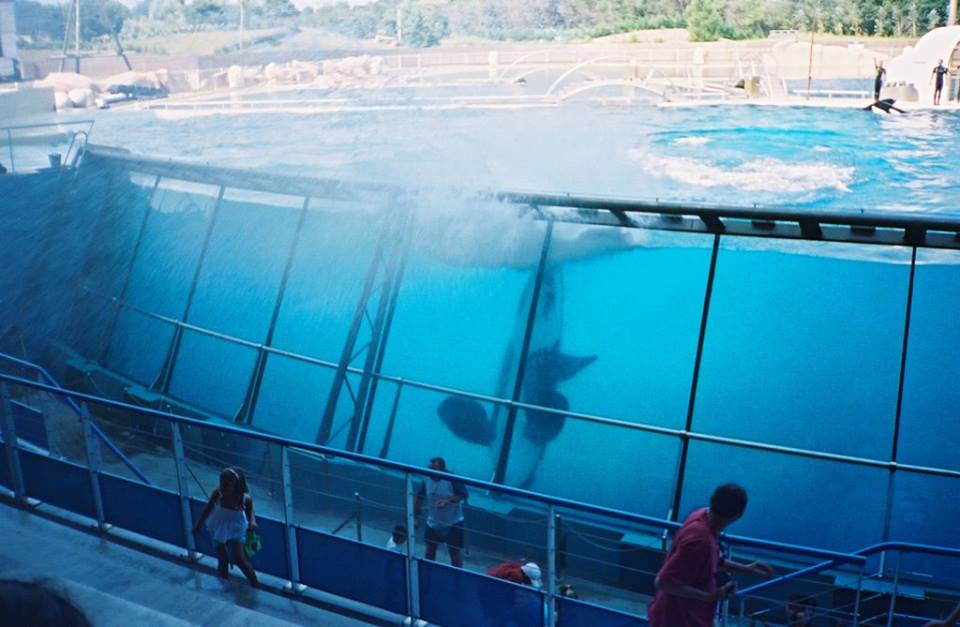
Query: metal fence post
column 293, row 556
column 893, row 592
column 413, row 583
column 10, row 442
column 856, row 604
column 13, row 166
column 356, row 496
column 183, row 490
column 551, row 565
column 94, row 463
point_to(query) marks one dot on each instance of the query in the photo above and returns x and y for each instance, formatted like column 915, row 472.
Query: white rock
column 81, row 98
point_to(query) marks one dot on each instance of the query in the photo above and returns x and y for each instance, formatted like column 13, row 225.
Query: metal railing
column 551, row 505
column 104, row 438
column 50, row 135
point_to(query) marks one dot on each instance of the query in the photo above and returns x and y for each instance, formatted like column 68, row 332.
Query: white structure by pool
column 909, row 76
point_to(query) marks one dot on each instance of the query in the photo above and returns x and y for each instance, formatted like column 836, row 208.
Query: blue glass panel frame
column 574, row 613
column 139, row 347
column 455, row 597
column 353, row 570
column 4, row 467
column 292, row 398
column 921, row 503
column 333, row 256
column 929, row 430
column 212, row 373
column 633, row 307
column 60, row 483
column 272, row 558
column 803, row 349
column 29, row 424
column 238, row 283
column 147, row 510
column 788, row 495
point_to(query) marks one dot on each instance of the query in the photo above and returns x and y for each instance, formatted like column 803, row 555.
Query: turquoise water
column 835, row 158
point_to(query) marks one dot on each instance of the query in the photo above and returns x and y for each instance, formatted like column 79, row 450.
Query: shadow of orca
column 468, row 420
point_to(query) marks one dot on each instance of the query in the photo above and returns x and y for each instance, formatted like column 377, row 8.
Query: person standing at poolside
column 937, row 77
column 878, row 80
column 687, row 583
column 444, row 513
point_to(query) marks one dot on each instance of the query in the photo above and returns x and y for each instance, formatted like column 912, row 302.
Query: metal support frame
column 11, row 444
column 856, row 603
column 499, row 475
column 551, row 565
column 245, row 413
column 94, row 463
column 893, row 592
column 183, row 490
column 413, row 588
column 162, row 384
column 685, row 440
column 388, row 435
column 289, row 521
column 398, row 267
column 383, row 267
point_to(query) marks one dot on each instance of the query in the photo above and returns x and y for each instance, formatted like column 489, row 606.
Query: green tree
column 423, row 25
column 704, row 20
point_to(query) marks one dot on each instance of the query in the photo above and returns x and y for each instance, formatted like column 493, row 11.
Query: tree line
column 428, row 22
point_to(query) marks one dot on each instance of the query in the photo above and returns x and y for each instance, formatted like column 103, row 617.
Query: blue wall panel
column 571, row 613
column 458, row 598
column 147, row 510
column 29, row 424
column 346, row 568
column 58, row 482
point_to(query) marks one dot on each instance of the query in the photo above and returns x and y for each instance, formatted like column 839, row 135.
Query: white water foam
column 693, row 140
column 758, row 175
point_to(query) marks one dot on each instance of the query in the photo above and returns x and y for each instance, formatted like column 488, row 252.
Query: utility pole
column 76, row 35
column 952, row 13
column 241, row 26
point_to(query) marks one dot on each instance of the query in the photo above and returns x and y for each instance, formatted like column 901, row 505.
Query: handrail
column 906, row 547
column 76, row 408
column 544, row 499
column 611, row 422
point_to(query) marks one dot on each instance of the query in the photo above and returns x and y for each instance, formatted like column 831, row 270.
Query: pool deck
column 116, row 585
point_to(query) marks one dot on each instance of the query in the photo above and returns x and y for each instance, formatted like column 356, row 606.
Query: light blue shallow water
column 835, row 158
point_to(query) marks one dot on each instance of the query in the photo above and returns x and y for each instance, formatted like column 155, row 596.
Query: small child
column 230, row 510
column 398, row 539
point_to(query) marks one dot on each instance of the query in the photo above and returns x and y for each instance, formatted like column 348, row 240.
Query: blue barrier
column 458, row 598
column 60, row 483
column 573, row 613
column 29, row 424
column 4, row 469
column 147, row 510
column 356, row 571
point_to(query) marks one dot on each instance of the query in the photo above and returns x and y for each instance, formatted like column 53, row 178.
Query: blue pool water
column 802, row 347
column 836, row 158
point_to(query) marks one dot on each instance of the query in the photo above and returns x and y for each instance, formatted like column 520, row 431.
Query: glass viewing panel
column 617, row 323
column 803, row 349
column 788, row 495
column 333, row 256
column 239, row 280
column 929, row 429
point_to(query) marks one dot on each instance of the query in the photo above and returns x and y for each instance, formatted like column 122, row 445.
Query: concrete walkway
column 116, row 585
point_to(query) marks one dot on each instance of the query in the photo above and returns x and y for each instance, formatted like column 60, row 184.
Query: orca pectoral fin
column 467, row 419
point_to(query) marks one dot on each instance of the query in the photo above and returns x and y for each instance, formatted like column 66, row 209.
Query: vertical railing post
column 10, row 442
column 293, row 559
column 13, row 166
column 358, row 516
column 413, row 582
column 94, row 464
column 893, row 592
column 856, row 603
column 551, row 565
column 183, row 490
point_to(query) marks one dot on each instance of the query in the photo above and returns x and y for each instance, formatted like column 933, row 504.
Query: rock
column 61, row 100
column 235, row 78
column 81, row 98
column 65, row 81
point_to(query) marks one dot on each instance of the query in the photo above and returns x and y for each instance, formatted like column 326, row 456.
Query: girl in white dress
column 230, row 514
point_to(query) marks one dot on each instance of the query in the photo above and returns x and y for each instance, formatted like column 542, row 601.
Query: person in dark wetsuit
column 878, row 80
column 937, row 76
